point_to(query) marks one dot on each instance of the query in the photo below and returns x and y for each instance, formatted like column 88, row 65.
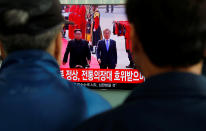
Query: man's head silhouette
column 168, row 35
column 30, row 25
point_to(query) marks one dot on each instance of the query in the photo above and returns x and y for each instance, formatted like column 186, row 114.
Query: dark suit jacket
column 79, row 53
column 107, row 57
column 167, row 102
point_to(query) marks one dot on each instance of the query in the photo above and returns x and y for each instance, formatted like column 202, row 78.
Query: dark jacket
column 79, row 53
column 167, row 102
column 107, row 57
column 34, row 96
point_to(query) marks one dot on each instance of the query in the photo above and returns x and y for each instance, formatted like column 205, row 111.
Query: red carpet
column 94, row 64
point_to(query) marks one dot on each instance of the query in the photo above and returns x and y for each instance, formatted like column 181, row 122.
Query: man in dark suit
column 80, row 55
column 168, row 41
column 107, row 52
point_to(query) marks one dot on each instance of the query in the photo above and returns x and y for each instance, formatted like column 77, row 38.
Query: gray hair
column 17, row 42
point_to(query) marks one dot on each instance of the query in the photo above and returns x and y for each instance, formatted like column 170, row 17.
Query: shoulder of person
column 106, row 121
column 85, row 41
column 115, row 119
column 71, row 41
column 101, row 41
column 94, row 102
column 112, row 40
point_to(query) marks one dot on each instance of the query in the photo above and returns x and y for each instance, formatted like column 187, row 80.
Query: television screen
column 96, row 47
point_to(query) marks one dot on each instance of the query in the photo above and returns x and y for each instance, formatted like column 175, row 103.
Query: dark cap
column 29, row 16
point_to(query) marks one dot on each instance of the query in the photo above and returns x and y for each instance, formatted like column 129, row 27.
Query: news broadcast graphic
column 103, row 76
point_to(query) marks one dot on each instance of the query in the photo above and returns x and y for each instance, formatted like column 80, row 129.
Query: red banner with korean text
column 102, row 75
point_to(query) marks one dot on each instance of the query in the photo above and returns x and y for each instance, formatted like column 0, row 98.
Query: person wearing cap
column 33, row 94
column 168, row 39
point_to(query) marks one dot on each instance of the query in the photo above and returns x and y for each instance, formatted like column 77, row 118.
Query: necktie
column 107, row 45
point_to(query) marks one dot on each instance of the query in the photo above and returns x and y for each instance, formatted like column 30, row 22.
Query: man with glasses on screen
column 33, row 95
column 169, row 38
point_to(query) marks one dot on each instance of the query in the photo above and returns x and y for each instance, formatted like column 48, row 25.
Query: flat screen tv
column 117, row 69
